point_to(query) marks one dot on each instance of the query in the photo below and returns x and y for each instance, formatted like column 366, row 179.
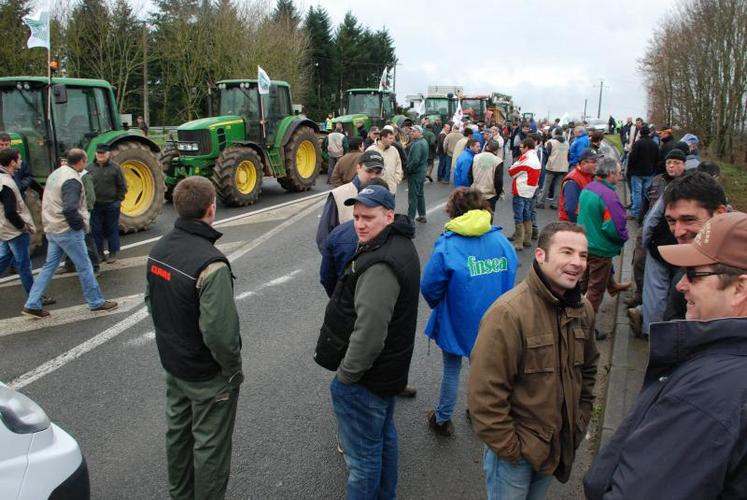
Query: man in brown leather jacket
column 533, row 371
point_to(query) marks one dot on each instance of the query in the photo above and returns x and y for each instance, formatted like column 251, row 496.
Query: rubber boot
column 527, row 234
column 519, row 237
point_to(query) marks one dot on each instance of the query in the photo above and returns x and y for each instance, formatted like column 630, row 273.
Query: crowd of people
column 532, row 346
column 79, row 218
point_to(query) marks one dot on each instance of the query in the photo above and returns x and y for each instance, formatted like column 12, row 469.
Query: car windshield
column 367, row 104
column 439, row 105
column 240, row 101
column 22, row 110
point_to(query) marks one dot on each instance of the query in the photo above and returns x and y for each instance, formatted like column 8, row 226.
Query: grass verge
column 734, row 180
column 614, row 139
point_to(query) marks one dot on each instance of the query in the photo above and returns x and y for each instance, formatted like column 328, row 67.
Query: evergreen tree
column 285, row 10
column 320, row 98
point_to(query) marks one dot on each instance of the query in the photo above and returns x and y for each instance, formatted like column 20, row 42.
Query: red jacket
column 580, row 178
column 525, row 174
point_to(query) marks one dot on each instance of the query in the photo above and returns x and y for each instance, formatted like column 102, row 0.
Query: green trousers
column 200, row 417
column 415, row 195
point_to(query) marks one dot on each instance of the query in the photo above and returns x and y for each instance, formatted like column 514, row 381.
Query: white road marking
column 79, row 350
column 65, row 316
column 227, row 221
column 103, row 337
column 277, row 281
column 142, row 339
column 440, row 206
column 127, row 263
column 149, row 336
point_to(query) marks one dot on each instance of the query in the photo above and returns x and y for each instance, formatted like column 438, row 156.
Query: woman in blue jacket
column 472, row 264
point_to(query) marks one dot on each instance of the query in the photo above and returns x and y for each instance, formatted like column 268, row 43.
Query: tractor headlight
column 19, row 414
column 187, row 146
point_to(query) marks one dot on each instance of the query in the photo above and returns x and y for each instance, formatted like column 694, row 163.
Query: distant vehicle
column 440, row 108
column 475, row 107
column 596, row 124
column 367, row 106
column 37, row 458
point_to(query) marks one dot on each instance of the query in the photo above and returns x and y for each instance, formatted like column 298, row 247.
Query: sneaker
column 48, row 301
column 636, row 321
column 112, row 258
column 540, row 205
column 35, row 313
column 408, row 392
column 445, row 429
column 421, row 219
column 106, row 306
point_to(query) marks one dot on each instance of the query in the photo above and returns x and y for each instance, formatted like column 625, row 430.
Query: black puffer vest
column 388, row 375
column 174, row 265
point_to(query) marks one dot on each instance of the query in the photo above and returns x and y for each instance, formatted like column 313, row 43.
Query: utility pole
column 599, row 107
column 146, row 111
column 583, row 117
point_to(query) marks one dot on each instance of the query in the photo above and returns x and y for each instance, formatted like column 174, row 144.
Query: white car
column 597, row 124
column 37, row 459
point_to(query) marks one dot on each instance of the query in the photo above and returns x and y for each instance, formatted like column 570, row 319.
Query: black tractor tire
column 145, row 186
column 303, row 160
column 237, row 176
column 34, row 204
column 168, row 154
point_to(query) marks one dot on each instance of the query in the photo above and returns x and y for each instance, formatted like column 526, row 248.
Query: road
column 99, row 377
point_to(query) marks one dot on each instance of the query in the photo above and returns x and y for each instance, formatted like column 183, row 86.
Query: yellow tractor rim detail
column 246, row 177
column 141, row 188
column 306, row 159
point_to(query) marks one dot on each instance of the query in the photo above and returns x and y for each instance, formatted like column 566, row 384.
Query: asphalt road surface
column 99, row 377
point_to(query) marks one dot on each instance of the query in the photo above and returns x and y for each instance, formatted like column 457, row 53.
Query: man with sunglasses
column 687, row 435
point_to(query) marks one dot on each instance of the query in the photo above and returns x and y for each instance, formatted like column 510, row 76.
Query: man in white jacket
column 392, row 174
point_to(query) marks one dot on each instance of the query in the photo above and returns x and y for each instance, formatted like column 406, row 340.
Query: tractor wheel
column 303, row 159
column 34, row 204
column 237, row 175
column 167, row 155
column 145, row 187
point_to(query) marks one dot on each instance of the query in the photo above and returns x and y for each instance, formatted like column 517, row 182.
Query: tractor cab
column 367, row 106
column 475, row 108
column 444, row 107
column 83, row 114
column 241, row 97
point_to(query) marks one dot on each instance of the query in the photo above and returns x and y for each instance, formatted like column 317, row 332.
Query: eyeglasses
column 692, row 274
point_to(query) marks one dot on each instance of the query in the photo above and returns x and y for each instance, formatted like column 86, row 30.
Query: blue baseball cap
column 373, row 196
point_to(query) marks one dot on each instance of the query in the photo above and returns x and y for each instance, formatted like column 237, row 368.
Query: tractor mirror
column 60, row 94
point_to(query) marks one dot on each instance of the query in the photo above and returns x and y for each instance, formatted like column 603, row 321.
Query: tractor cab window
column 388, row 104
column 367, row 104
column 437, row 106
column 276, row 107
column 240, row 101
column 475, row 105
column 22, row 110
column 84, row 116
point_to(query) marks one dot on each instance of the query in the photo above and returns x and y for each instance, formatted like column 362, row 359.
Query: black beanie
column 676, row 154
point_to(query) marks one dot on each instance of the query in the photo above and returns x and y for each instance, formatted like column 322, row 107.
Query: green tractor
column 83, row 115
column 238, row 148
column 368, row 106
column 440, row 109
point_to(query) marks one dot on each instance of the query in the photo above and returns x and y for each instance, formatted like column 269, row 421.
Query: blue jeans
column 444, row 167
column 507, row 481
column 639, row 186
column 365, row 428
column 17, row 250
column 105, row 224
column 72, row 243
column 449, row 387
column 522, row 208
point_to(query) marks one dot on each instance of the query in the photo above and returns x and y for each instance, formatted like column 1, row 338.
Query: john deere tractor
column 83, row 115
column 239, row 147
column 440, row 109
column 367, row 106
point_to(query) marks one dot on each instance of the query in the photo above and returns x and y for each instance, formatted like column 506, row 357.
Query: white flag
column 421, row 108
column 39, row 25
column 457, row 118
column 263, row 81
column 384, row 81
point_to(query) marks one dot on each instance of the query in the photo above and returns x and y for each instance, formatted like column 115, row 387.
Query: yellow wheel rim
column 246, row 177
column 306, row 159
column 141, row 188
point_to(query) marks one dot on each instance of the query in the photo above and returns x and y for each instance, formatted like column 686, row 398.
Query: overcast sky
column 548, row 55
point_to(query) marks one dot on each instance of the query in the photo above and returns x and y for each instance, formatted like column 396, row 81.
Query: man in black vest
column 190, row 296
column 368, row 336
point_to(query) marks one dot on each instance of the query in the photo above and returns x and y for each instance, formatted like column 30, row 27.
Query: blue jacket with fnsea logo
column 472, row 264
